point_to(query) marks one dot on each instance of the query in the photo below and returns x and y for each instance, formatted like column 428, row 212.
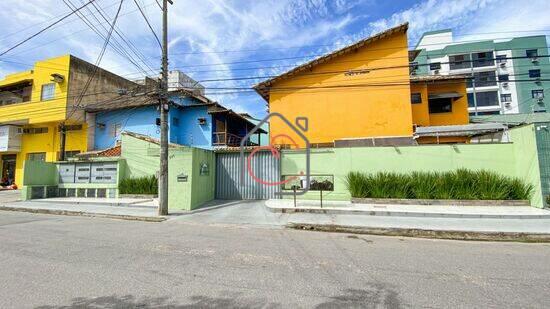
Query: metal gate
column 228, row 176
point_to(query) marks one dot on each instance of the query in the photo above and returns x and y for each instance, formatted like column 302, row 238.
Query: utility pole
column 62, row 141
column 163, row 102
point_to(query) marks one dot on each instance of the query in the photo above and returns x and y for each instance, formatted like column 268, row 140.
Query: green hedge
column 461, row 184
column 141, row 185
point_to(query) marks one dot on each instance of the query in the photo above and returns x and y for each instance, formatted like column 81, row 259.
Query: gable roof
column 264, row 87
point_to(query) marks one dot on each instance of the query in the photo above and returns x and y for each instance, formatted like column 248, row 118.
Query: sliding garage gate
column 228, row 177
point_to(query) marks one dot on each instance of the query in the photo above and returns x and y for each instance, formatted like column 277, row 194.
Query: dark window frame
column 534, row 73
column 416, row 98
column 435, row 66
column 532, row 53
column 535, row 93
column 440, row 106
column 506, row 97
column 504, row 77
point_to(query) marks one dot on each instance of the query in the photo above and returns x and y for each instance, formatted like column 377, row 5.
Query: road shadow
column 129, row 301
column 374, row 296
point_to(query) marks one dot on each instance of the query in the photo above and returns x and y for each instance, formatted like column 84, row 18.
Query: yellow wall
column 48, row 143
column 41, row 114
column 37, row 111
column 350, row 112
column 459, row 114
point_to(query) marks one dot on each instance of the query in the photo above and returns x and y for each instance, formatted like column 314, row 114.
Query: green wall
column 142, row 159
column 542, row 131
column 518, row 159
column 39, row 173
column 204, row 184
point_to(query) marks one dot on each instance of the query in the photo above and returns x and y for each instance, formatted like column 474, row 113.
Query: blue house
column 194, row 120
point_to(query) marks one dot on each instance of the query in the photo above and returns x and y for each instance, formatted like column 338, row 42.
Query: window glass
column 537, row 94
column 506, row 97
column 504, row 77
column 534, row 73
column 483, row 59
column 457, row 62
column 48, row 92
column 435, row 66
column 483, row 79
column 440, row 105
column 489, row 98
column 471, row 100
column 36, row 156
column 416, row 98
column 531, row 53
column 501, row 58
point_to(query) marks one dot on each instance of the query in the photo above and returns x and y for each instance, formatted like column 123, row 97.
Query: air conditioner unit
column 540, row 101
column 503, row 64
column 534, row 60
column 538, row 81
column 436, row 72
column 508, row 104
column 505, row 84
column 202, row 121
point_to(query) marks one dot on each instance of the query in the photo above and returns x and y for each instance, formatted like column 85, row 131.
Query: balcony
column 18, row 92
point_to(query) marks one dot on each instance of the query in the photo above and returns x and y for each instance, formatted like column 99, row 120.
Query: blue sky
column 208, row 37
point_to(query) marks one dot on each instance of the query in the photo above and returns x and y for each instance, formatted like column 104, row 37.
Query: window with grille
column 48, row 92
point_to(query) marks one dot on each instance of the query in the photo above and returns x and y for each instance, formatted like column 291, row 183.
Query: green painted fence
column 516, row 159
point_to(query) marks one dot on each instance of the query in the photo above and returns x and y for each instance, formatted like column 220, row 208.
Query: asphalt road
column 63, row 262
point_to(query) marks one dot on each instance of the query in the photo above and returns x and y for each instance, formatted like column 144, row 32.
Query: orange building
column 361, row 94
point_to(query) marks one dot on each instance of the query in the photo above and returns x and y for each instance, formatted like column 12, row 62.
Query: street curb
column 333, row 211
column 421, row 233
column 82, row 214
column 426, row 202
column 110, row 204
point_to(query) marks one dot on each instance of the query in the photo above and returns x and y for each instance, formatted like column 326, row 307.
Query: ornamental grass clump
column 461, row 184
column 140, row 185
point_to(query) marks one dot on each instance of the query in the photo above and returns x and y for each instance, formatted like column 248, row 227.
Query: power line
column 148, row 24
column 44, row 29
column 100, row 57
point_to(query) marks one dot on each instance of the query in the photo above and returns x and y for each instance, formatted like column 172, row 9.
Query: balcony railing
column 229, row 139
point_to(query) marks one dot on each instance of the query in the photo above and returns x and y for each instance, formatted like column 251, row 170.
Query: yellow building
column 34, row 104
column 360, row 93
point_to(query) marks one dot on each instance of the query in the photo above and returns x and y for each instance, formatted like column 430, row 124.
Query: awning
column 444, row 95
column 460, row 130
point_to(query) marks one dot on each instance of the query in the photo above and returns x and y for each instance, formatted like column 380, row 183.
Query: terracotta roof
column 109, row 152
column 263, row 87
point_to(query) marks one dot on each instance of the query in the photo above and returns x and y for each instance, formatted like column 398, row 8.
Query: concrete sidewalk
column 139, row 211
column 425, row 211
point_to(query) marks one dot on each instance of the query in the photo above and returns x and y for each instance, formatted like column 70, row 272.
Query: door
column 8, row 169
column 228, row 177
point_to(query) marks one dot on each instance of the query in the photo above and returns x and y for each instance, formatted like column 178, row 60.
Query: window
column 413, row 66
column 48, row 92
column 175, row 122
column 458, row 62
column 503, row 78
column 73, row 127
column 483, row 79
column 531, row 53
column 116, row 128
column 534, row 73
column 505, row 98
column 416, row 98
column 537, row 94
column 36, row 156
column 437, row 106
column 501, row 58
column 35, row 130
column 483, row 59
column 435, row 66
column 489, row 98
column 71, row 153
column 471, row 102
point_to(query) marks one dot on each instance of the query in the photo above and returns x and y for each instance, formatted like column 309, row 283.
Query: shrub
column 461, row 184
column 141, row 185
column 548, row 200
